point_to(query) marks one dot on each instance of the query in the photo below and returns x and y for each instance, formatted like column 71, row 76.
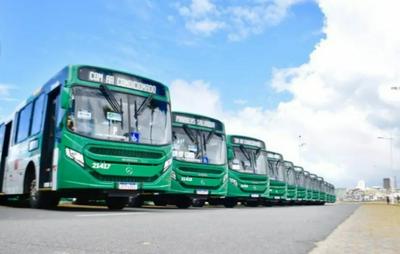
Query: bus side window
column 24, row 120
column 37, row 115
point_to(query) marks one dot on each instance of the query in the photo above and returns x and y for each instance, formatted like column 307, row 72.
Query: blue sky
column 339, row 99
column 149, row 38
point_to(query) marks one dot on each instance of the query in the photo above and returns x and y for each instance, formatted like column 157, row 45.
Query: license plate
column 128, row 186
column 277, row 197
column 202, row 192
column 255, row 195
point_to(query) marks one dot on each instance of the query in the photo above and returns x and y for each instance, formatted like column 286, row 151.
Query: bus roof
column 107, row 76
column 273, row 155
column 298, row 169
column 191, row 119
column 288, row 163
column 248, row 141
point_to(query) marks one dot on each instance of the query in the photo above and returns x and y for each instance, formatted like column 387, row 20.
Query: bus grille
column 201, row 170
column 253, row 179
column 109, row 178
column 125, row 153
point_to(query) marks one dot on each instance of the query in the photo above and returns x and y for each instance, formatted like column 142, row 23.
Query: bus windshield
column 300, row 179
column 126, row 118
column 277, row 169
column 198, row 146
column 249, row 160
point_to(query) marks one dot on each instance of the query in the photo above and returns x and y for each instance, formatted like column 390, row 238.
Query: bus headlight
column 75, row 156
column 167, row 164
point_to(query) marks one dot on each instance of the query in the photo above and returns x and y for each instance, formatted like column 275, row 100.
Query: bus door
column 5, row 131
column 48, row 138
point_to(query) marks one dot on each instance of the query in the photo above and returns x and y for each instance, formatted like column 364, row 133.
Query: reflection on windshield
column 199, row 146
column 290, row 176
column 93, row 115
column 300, row 180
column 277, row 170
column 249, row 160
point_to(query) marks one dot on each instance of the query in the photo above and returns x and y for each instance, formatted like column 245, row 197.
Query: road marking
column 107, row 214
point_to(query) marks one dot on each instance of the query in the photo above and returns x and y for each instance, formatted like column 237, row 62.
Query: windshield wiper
column 194, row 139
column 189, row 134
column 116, row 107
column 245, row 152
column 142, row 106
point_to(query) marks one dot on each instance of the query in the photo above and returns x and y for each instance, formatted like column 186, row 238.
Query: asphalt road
column 168, row 230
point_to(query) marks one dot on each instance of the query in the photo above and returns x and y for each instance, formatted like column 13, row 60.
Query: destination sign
column 195, row 121
column 119, row 79
column 249, row 142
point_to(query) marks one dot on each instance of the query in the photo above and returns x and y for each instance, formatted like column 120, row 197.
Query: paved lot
column 168, row 230
column 373, row 228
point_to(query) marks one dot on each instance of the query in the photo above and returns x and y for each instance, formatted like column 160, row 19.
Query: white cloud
column 342, row 97
column 252, row 17
column 5, row 94
column 195, row 97
column 240, row 102
column 205, row 26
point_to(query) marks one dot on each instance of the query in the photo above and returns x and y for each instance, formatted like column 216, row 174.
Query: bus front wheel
column 116, row 203
column 41, row 199
column 230, row 202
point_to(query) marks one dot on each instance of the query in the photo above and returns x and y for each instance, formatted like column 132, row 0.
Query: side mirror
column 65, row 98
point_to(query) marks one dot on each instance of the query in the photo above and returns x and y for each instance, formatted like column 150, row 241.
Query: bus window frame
column 18, row 113
column 41, row 116
column 18, row 116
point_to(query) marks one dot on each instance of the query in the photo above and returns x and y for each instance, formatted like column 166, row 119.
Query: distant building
column 389, row 183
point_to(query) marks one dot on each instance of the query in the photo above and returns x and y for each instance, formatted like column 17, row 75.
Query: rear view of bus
column 104, row 134
column 278, row 178
column 248, row 180
column 301, row 193
column 291, row 191
column 200, row 169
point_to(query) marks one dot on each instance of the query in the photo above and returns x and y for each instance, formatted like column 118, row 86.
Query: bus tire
column 198, row 203
column 40, row 199
column 3, row 200
column 230, row 202
column 183, row 203
column 116, row 203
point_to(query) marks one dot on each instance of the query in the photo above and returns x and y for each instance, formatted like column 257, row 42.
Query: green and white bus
column 308, row 184
column 291, row 189
column 200, row 169
column 248, row 172
column 314, row 188
column 332, row 195
column 90, row 133
column 301, row 193
column 321, row 189
column 278, row 178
